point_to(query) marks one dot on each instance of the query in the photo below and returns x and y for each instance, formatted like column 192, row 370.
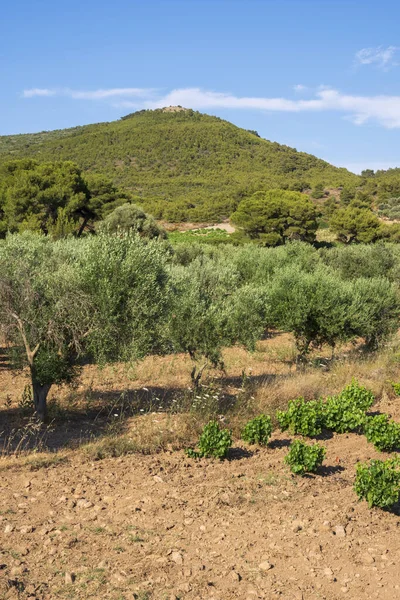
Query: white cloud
column 382, row 109
column 379, row 56
column 300, row 87
column 38, row 92
column 359, row 109
column 88, row 95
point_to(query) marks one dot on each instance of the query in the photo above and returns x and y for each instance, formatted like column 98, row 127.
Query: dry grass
column 149, row 408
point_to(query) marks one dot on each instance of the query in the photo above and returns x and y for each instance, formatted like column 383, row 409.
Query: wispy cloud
column 38, row 92
column 383, row 109
column 380, row 56
column 87, row 94
column 299, row 87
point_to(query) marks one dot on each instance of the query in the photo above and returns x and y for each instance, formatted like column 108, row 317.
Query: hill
column 181, row 164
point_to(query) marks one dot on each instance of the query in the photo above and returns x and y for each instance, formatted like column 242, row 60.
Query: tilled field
column 165, row 526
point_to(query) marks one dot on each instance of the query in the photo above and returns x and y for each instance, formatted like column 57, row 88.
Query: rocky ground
column 163, row 526
column 167, row 527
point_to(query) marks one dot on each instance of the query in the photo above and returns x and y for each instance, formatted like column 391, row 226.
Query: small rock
column 158, row 479
column 329, row 573
column 26, row 529
column 9, row 528
column 339, row 531
column 83, row 503
column 265, row 566
column 367, row 559
column 69, row 578
column 177, row 558
column 235, row 576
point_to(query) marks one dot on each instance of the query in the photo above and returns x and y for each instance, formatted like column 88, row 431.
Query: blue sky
column 322, row 76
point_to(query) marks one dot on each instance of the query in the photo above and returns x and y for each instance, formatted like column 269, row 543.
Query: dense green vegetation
column 276, row 216
column 180, row 166
column 121, row 296
column 304, row 458
column 378, row 482
column 53, row 197
column 258, row 430
column 214, row 442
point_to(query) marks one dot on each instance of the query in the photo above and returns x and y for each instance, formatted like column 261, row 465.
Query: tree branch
column 30, row 354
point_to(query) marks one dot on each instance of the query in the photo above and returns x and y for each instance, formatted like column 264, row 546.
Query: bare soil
column 167, row 527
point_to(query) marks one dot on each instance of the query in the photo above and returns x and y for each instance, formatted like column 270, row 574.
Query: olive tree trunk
column 40, row 393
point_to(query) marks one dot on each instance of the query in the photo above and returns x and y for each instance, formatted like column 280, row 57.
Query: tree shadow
column 4, row 359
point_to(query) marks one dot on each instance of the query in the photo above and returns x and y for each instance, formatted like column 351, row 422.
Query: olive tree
column 102, row 298
column 315, row 307
column 211, row 311
column 130, row 217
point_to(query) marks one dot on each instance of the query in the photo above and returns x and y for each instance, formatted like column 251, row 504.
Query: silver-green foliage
column 99, row 298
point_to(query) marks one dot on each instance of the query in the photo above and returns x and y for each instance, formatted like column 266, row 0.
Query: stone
column 297, row 526
column 339, row 531
column 367, row 559
column 265, row 566
column 235, row 576
column 69, row 578
column 177, row 558
column 83, row 503
column 26, row 529
column 9, row 528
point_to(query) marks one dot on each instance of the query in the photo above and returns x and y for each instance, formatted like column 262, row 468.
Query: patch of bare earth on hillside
column 163, row 526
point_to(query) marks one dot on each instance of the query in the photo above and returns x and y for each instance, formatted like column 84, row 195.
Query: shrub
column 383, row 433
column 378, row 482
column 396, row 388
column 258, row 430
column 214, row 442
column 303, row 458
column 346, row 411
column 304, row 418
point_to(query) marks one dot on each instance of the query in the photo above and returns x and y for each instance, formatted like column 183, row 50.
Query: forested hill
column 182, row 164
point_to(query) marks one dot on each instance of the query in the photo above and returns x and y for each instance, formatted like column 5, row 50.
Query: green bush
column 378, row 482
column 302, row 417
column 303, row 458
column 396, row 388
column 383, row 433
column 258, row 430
column 346, row 411
column 214, row 442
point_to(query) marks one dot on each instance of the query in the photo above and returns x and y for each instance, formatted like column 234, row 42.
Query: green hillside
column 183, row 165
